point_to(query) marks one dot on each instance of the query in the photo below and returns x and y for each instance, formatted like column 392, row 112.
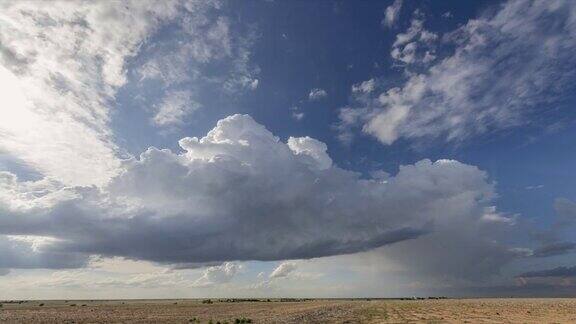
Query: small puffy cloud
column 391, row 14
column 364, row 87
column 317, row 94
column 492, row 215
column 218, row 274
column 283, row 270
column 254, row 84
column 415, row 45
column 298, row 115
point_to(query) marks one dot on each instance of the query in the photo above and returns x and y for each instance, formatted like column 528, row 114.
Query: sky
column 187, row 149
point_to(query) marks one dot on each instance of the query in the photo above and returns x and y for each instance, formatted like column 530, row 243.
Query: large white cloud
column 62, row 63
column 504, row 69
column 240, row 193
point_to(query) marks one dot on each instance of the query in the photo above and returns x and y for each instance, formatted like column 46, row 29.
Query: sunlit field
column 294, row 311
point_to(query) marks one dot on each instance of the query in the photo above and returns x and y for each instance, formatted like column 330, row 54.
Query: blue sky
column 301, row 148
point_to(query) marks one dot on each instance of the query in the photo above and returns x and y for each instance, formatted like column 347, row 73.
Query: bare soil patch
column 311, row 311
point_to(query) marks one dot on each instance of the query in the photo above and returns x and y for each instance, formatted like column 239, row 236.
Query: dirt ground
column 312, row 311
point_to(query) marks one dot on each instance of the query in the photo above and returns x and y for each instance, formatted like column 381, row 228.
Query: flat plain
column 512, row 310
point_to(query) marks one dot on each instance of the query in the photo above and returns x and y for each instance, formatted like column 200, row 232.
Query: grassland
column 302, row 311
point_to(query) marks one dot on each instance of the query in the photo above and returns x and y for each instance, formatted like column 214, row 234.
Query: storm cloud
column 561, row 272
column 240, row 193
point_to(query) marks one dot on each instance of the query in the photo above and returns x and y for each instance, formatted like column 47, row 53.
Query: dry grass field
column 311, row 311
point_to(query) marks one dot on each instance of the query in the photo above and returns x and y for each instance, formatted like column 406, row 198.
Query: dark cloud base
column 241, row 194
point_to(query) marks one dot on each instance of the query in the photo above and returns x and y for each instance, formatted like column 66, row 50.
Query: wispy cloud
column 175, row 107
column 296, row 113
column 500, row 70
column 62, row 63
column 391, row 14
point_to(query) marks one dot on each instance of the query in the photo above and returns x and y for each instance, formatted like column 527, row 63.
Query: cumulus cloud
column 317, row 94
column 218, row 274
column 415, row 45
column 240, row 193
column 308, row 147
column 283, row 270
column 499, row 70
column 391, row 13
column 364, row 87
